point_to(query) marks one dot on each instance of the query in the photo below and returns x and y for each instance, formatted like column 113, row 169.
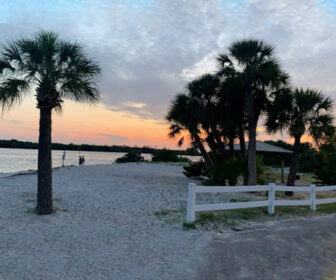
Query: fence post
column 191, row 203
column 271, row 198
column 313, row 197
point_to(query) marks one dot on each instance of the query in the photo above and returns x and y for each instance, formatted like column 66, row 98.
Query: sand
column 125, row 222
column 110, row 224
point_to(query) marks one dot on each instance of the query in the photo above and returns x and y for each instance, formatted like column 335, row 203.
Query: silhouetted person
column 138, row 157
column 63, row 158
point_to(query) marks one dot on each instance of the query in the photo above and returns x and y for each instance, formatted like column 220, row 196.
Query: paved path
column 301, row 249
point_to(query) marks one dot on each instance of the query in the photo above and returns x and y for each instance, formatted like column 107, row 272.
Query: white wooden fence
column 271, row 202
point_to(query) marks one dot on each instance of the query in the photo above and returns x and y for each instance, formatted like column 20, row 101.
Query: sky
column 150, row 49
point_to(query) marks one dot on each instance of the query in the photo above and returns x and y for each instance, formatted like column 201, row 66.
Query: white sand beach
column 105, row 226
column 125, row 222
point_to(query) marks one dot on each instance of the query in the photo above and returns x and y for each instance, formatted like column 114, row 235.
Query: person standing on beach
column 83, row 160
column 80, row 161
column 138, row 157
column 63, row 158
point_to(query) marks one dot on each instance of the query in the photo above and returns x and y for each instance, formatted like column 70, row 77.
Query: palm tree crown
column 302, row 111
column 56, row 69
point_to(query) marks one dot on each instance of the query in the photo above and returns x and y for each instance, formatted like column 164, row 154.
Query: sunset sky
column 149, row 50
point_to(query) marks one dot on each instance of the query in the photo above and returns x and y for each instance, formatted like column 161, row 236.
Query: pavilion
column 265, row 148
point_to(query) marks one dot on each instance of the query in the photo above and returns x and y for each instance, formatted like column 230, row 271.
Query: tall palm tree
column 184, row 114
column 56, row 70
column 205, row 90
column 304, row 111
column 254, row 63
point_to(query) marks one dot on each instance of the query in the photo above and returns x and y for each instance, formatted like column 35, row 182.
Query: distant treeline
column 15, row 144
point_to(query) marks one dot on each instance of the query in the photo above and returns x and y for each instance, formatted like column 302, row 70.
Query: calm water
column 14, row 160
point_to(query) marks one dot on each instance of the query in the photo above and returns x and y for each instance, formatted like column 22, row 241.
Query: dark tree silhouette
column 254, row 64
column 184, row 114
column 56, row 70
column 304, row 111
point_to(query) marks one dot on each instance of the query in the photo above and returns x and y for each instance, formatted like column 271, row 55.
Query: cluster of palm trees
column 219, row 109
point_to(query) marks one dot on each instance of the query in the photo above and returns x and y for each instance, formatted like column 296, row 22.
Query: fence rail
column 271, row 202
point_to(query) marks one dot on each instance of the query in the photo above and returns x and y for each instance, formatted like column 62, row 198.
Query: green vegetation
column 159, row 156
column 161, row 213
column 224, row 172
column 238, row 216
column 271, row 176
column 187, row 226
column 86, row 147
column 299, row 112
column 131, row 156
column 167, row 156
column 195, row 170
column 217, row 110
column 325, row 167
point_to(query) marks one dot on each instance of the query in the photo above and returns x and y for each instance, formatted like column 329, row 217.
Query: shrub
column 308, row 160
column 226, row 170
column 168, row 156
column 129, row 157
column 325, row 169
column 195, row 169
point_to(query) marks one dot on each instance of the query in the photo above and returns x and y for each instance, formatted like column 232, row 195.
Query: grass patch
column 238, row 200
column 187, row 226
column 30, row 211
column 33, row 210
column 230, row 217
column 60, row 210
column 169, row 215
column 326, row 208
column 161, row 213
column 271, row 175
column 260, row 214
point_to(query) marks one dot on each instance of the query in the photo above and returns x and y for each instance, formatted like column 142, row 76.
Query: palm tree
column 205, row 89
column 254, row 63
column 56, row 70
column 304, row 111
column 184, row 114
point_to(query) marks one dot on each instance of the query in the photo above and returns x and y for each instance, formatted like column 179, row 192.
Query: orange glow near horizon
column 89, row 124
column 95, row 124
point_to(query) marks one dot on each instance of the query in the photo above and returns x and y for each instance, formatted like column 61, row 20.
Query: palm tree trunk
column 211, row 142
column 44, row 186
column 204, row 153
column 231, row 147
column 242, row 149
column 242, row 141
column 294, row 164
column 252, row 146
column 220, row 144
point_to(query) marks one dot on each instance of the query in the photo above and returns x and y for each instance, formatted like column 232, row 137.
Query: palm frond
column 5, row 65
column 11, row 92
column 180, row 142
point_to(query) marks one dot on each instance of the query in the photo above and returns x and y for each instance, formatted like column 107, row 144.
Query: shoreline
column 34, row 171
column 106, row 227
column 113, row 221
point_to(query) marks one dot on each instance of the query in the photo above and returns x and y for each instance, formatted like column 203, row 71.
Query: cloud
column 14, row 121
column 149, row 50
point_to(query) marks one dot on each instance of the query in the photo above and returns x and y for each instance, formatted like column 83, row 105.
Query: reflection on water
column 14, row 160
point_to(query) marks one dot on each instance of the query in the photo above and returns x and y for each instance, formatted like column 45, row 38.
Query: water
column 15, row 160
